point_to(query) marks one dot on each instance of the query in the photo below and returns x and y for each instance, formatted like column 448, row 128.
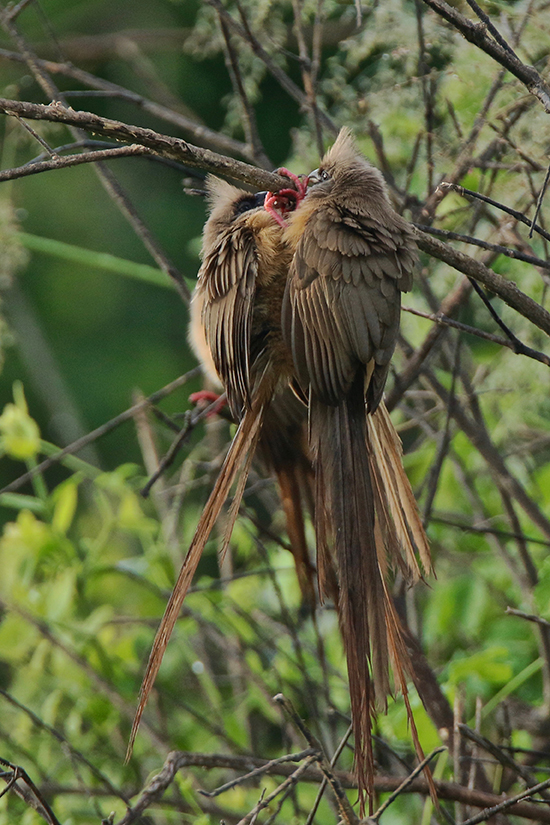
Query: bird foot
column 280, row 203
column 206, row 397
column 299, row 181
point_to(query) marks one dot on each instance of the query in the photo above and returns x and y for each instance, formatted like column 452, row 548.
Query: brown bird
column 353, row 257
column 236, row 333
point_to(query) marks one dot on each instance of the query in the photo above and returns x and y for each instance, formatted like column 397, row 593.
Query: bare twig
column 502, row 250
column 530, row 617
column 27, row 791
column 519, row 216
column 164, row 145
column 507, row 290
column 488, row 813
column 383, row 784
column 346, row 811
column 106, row 88
column 72, row 160
column 476, row 33
column 266, row 800
column 333, row 761
column 280, row 76
column 501, row 756
column 406, row 783
column 291, row 757
column 115, row 422
column 193, row 418
column 539, row 202
column 479, row 333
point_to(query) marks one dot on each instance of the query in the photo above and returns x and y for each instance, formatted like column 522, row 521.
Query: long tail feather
column 289, row 485
column 241, row 447
column 401, row 663
column 283, row 448
column 396, row 498
column 344, row 489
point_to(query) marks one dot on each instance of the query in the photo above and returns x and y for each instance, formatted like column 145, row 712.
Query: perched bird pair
column 298, row 319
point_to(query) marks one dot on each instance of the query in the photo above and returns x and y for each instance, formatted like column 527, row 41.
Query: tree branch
column 507, row 290
column 163, row 145
column 476, row 33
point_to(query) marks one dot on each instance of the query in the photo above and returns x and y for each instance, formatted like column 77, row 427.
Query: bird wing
column 228, row 279
column 343, row 300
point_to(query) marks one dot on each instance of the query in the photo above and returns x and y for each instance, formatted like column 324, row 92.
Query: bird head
column 343, row 168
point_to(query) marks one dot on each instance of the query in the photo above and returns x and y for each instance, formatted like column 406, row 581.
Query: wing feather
column 344, row 298
column 228, row 278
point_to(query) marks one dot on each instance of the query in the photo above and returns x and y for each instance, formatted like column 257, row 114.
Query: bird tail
column 364, row 503
column 345, row 511
column 238, row 458
column 283, row 448
column 396, row 508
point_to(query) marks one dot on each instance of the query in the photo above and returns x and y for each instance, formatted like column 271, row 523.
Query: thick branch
column 163, row 145
column 383, row 784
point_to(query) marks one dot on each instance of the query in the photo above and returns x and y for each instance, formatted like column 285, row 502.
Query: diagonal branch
column 476, row 33
column 507, row 290
column 163, row 145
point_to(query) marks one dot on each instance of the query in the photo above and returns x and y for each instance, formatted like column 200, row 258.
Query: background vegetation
column 86, row 563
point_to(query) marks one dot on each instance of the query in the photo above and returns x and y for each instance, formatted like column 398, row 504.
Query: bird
column 352, row 257
column 235, row 331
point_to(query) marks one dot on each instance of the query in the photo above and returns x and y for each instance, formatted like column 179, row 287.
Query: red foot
column 208, row 397
column 280, row 203
column 277, row 204
column 299, row 181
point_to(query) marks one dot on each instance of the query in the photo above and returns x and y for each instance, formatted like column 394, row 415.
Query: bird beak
column 313, row 178
column 260, row 198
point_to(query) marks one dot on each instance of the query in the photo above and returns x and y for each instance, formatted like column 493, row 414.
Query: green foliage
column 87, row 563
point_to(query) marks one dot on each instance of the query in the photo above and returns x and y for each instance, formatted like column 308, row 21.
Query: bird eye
column 325, row 175
column 245, row 205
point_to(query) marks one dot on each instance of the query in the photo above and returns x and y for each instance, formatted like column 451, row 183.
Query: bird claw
column 299, row 181
column 280, row 203
column 273, row 202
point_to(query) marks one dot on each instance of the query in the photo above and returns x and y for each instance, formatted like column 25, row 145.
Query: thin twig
column 519, row 216
column 539, row 201
column 266, row 800
column 105, row 88
column 476, row 33
column 291, row 757
column 71, row 160
column 115, row 422
column 193, row 418
column 280, row 76
column 502, row 250
column 164, row 145
column 479, row 333
column 322, row 788
column 488, row 813
column 507, row 290
column 406, row 783
column 33, row 796
column 346, row 811
column 530, row 617
column 470, row 528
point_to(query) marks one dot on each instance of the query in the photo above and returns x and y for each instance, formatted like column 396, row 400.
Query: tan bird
column 236, row 332
column 353, row 257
